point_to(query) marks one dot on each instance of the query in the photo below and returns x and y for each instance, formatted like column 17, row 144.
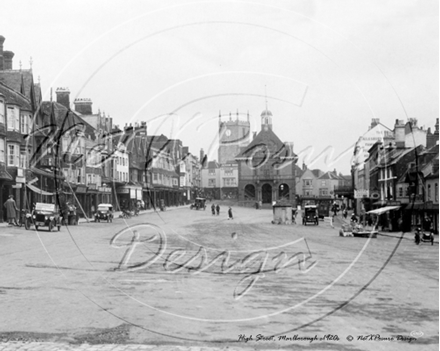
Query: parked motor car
column 311, row 214
column 199, row 204
column 46, row 215
column 104, row 213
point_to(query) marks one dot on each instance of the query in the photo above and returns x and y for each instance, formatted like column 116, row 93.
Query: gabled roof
column 265, row 137
column 330, row 175
column 213, row 165
column 53, row 112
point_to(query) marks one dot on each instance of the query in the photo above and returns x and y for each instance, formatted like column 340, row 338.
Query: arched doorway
column 283, row 192
column 266, row 193
column 249, row 192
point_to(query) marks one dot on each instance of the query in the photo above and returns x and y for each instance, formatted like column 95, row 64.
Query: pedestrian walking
column 230, row 213
column 417, row 236
column 213, row 209
column 11, row 209
column 345, row 213
column 217, row 208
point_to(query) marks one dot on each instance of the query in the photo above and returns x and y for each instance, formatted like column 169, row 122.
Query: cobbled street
column 87, row 286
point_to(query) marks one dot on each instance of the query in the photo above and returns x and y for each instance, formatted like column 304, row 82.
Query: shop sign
column 81, row 189
column 122, row 191
column 20, row 179
column 17, row 186
column 375, row 195
column 105, row 189
column 92, row 186
column 361, row 193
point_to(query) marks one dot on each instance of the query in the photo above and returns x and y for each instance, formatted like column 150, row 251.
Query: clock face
column 228, row 132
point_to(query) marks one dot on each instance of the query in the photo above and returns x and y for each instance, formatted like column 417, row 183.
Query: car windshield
column 45, row 207
column 103, row 208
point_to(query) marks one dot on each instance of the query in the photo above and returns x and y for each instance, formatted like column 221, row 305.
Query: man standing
column 11, row 209
column 213, row 209
column 217, row 208
column 230, row 213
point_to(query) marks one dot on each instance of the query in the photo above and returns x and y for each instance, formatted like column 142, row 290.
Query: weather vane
column 30, row 63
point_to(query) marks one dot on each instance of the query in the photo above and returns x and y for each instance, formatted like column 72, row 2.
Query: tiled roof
column 22, row 81
column 63, row 117
column 213, row 165
column 14, row 97
column 263, row 138
column 317, row 172
column 330, row 175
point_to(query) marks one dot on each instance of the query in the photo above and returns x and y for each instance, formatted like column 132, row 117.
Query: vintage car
column 104, row 213
column 46, row 215
column 310, row 214
column 199, row 204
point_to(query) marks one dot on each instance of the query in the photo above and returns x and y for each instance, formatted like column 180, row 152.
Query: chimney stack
column 2, row 40
column 7, row 59
column 83, row 106
column 63, row 96
column 399, row 133
column 374, row 122
column 432, row 138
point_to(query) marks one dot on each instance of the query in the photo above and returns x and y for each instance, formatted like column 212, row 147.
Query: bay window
column 2, row 112
column 2, row 150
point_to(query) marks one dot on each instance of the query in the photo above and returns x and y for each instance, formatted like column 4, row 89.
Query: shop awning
column 381, row 210
column 5, row 175
column 38, row 191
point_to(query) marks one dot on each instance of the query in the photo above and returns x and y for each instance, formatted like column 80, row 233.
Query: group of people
column 215, row 209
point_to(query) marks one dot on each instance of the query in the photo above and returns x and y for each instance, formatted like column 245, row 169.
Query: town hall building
column 266, row 168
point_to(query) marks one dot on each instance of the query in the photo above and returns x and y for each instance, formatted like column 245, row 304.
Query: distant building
column 233, row 134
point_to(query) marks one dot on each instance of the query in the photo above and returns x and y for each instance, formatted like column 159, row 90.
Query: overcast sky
column 329, row 66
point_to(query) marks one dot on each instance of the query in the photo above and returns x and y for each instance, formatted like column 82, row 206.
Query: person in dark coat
column 213, row 209
column 217, row 208
column 230, row 213
column 11, row 209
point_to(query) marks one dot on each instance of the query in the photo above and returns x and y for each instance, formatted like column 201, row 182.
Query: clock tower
column 233, row 134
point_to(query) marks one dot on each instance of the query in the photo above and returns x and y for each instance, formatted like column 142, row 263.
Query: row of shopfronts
column 406, row 217
column 26, row 187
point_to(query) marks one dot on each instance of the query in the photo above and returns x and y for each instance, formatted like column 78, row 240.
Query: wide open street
column 185, row 277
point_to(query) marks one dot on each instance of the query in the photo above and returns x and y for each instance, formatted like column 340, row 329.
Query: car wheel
column 50, row 226
column 59, row 228
column 108, row 220
column 27, row 224
column 36, row 228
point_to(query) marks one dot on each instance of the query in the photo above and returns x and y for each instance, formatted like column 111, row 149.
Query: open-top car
column 46, row 215
column 104, row 213
column 310, row 214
